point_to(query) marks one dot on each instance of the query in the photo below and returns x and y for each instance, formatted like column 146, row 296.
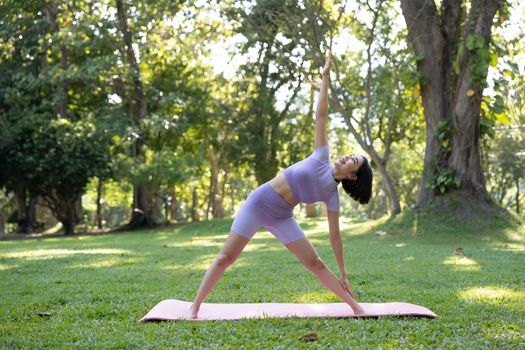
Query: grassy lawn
column 97, row 287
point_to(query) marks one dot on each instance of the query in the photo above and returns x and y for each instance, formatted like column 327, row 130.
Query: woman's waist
column 281, row 186
column 266, row 201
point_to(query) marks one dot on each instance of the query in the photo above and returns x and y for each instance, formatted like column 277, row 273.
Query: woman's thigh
column 247, row 221
column 234, row 245
column 286, row 230
column 303, row 250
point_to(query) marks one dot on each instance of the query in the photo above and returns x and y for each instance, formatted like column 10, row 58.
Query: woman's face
column 349, row 165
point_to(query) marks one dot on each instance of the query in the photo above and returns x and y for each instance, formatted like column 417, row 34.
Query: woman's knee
column 315, row 264
column 225, row 259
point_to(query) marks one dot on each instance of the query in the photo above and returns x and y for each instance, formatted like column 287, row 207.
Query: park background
column 155, row 120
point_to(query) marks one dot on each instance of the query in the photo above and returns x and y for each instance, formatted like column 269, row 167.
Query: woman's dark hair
column 360, row 189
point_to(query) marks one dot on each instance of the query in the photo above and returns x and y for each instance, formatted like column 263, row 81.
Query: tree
column 505, row 150
column 278, row 65
column 372, row 89
column 453, row 57
column 17, row 92
column 55, row 160
column 146, row 207
column 164, row 90
column 49, row 117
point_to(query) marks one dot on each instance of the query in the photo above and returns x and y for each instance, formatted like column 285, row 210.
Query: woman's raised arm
column 321, row 113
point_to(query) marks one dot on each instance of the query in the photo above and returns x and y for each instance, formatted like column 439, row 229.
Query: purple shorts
column 266, row 208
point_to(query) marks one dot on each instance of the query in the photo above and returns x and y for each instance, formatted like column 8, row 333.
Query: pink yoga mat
column 172, row 310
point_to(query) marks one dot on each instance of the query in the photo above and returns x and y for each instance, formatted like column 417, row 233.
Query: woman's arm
column 337, row 247
column 321, row 113
column 335, row 240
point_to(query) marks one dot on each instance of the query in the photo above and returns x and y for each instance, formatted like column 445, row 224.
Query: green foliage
column 486, row 126
column 405, row 168
column 479, row 51
column 475, row 42
column 493, row 111
column 116, row 203
column 505, row 162
column 241, row 119
column 442, row 178
column 374, row 83
column 279, row 65
column 54, row 158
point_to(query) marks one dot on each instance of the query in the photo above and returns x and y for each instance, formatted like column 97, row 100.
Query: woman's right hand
column 343, row 280
column 358, row 310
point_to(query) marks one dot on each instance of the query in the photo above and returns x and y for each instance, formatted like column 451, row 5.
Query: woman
column 271, row 206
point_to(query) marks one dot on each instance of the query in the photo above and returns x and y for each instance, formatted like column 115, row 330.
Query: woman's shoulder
column 321, row 153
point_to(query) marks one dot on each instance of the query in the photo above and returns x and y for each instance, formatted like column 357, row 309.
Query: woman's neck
column 336, row 175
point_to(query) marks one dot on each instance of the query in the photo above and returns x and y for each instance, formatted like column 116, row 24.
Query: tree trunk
column 232, row 197
column 221, row 212
column 26, row 211
column 370, row 208
column 465, row 161
column 187, row 211
column 311, row 210
column 66, row 210
column 389, row 185
column 517, row 195
column 31, row 211
column 451, row 95
column 501, row 191
column 215, row 197
column 173, row 204
column 69, row 218
column 2, row 220
column 147, row 208
column 265, row 162
column 194, row 213
column 98, row 215
column 210, row 196
column 78, row 207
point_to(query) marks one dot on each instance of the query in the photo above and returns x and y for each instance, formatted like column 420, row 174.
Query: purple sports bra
column 311, row 179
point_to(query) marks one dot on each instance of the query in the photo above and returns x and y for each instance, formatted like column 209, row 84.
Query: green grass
column 97, row 287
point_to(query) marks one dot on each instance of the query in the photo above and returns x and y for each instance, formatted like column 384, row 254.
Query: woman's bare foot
column 194, row 310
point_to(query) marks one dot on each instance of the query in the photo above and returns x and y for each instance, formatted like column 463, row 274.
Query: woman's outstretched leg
column 306, row 253
column 231, row 250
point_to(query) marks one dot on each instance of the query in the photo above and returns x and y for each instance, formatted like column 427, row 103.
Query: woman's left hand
column 326, row 68
column 346, row 286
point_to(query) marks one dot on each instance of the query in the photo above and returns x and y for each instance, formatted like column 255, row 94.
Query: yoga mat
column 172, row 310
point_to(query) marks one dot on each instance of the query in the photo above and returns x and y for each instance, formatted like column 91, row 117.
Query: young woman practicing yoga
column 271, row 206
